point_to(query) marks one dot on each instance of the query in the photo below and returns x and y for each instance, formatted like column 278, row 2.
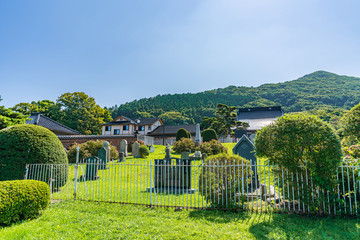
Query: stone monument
column 197, row 135
column 123, row 147
column 136, row 150
column 102, row 155
column 152, row 148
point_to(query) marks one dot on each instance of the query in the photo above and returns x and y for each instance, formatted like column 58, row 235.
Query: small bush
column 211, row 148
column 219, row 179
column 144, row 151
column 22, row 199
column 28, row 144
column 90, row 148
column 184, row 145
column 182, row 133
column 208, row 135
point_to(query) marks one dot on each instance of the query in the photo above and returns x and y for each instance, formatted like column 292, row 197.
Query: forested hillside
column 315, row 92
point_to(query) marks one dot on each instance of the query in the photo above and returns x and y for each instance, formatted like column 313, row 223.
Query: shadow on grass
column 219, row 216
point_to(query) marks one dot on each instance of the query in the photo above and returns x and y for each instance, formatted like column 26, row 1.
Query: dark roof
column 64, row 137
column 58, row 128
column 147, row 121
column 259, row 112
column 142, row 121
column 172, row 130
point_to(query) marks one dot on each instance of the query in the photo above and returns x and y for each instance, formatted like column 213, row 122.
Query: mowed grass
column 92, row 220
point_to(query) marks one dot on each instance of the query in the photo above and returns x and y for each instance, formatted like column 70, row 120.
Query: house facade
column 124, row 126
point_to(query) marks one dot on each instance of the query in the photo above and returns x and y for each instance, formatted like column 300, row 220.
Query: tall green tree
column 351, row 123
column 225, row 121
column 44, row 106
column 80, row 112
column 9, row 117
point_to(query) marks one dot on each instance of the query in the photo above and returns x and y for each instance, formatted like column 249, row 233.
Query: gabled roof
column 56, row 127
column 259, row 112
column 126, row 120
column 172, row 130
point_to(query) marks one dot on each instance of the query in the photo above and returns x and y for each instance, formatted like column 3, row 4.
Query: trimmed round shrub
column 184, row 145
column 299, row 140
column 208, row 135
column 211, row 148
column 144, row 151
column 219, row 180
column 28, row 144
column 182, row 133
column 90, row 148
column 22, row 199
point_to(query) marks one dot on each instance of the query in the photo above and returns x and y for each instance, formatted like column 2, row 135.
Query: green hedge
column 182, row 133
column 28, row 144
column 22, row 199
column 208, row 135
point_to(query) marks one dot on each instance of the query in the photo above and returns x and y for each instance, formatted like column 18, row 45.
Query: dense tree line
column 323, row 93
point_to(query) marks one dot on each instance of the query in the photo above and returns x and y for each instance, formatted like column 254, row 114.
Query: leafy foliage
column 22, row 199
column 219, row 181
column 9, row 117
column 24, row 144
column 351, row 123
column 302, row 140
column 44, row 106
column 212, row 147
column 182, row 133
column 174, row 118
column 90, row 148
column 313, row 91
column 144, row 151
column 208, row 135
column 184, row 145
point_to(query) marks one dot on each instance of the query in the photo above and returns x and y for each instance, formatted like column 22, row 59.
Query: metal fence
column 193, row 184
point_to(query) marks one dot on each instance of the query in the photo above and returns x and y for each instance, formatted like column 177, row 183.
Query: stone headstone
column 102, row 155
column 91, row 170
column 245, row 148
column 106, row 145
column 152, row 148
column 185, row 155
column 121, row 157
column 167, row 152
column 197, row 154
column 136, row 150
column 123, row 147
column 228, row 139
column 197, row 135
column 252, row 138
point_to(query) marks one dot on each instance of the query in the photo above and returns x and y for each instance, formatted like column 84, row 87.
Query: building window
column 108, row 128
column 126, row 127
column 142, row 128
column 149, row 127
column 116, row 131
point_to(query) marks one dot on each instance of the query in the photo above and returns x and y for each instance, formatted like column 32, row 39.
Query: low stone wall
column 68, row 140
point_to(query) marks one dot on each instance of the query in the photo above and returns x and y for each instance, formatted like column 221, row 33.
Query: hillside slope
column 316, row 90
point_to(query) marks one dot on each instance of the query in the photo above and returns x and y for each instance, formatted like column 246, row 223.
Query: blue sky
column 119, row 51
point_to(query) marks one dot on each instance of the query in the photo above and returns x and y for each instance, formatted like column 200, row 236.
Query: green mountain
column 313, row 92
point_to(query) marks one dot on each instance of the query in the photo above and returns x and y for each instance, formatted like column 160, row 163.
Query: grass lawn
column 91, row 220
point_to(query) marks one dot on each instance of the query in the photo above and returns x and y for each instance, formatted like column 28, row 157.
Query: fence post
column 26, row 172
column 51, row 177
column 151, row 182
column 76, row 170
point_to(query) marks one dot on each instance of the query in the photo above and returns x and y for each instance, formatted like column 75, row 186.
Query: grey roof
column 142, row 121
column 41, row 120
column 259, row 117
column 172, row 130
column 259, row 112
column 64, row 137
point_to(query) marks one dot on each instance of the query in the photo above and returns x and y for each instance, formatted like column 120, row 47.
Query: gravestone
column 106, row 145
column 197, row 154
column 123, row 147
column 121, row 157
column 136, row 150
column 167, row 152
column 91, row 170
column 245, row 148
column 252, row 138
column 185, row 155
column 197, row 135
column 152, row 148
column 102, row 155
